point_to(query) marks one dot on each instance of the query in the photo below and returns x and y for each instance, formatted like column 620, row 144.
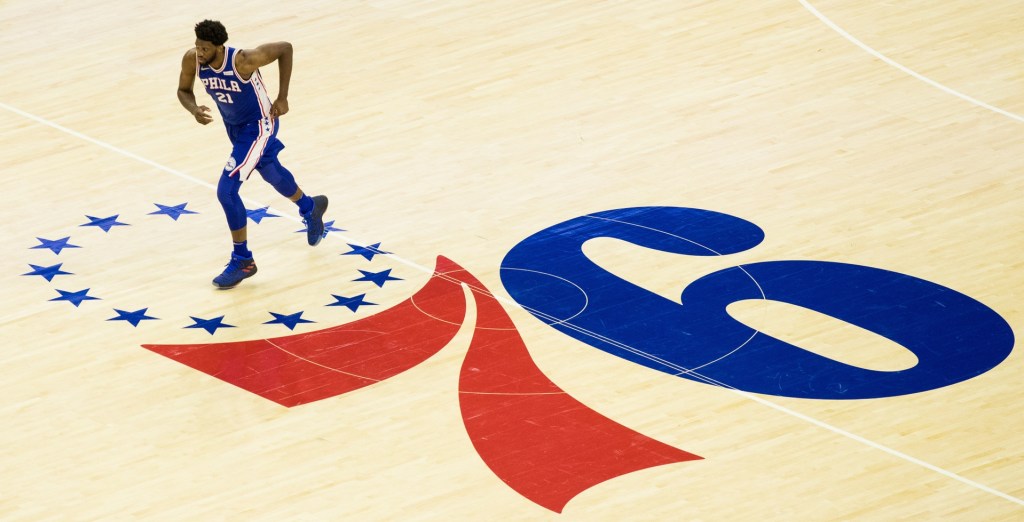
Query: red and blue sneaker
column 238, row 268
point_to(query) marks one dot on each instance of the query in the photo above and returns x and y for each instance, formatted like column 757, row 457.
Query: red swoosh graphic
column 538, row 439
column 307, row 367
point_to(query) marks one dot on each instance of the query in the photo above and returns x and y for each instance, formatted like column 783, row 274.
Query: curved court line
column 310, row 361
column 777, row 407
column 586, row 298
column 412, row 300
column 445, row 277
column 893, row 63
column 685, row 371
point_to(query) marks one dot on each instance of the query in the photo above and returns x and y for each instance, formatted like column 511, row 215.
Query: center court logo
column 548, row 446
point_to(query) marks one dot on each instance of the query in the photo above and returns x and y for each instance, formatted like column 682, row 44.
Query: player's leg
column 241, row 265
column 310, row 208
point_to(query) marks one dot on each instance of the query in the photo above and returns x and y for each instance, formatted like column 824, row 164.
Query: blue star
column 328, row 227
column 368, row 251
column 56, row 245
column 353, row 303
column 210, row 325
column 134, row 318
column 258, row 214
column 105, row 223
column 48, row 272
column 174, row 212
column 288, row 320
column 378, row 278
column 75, row 298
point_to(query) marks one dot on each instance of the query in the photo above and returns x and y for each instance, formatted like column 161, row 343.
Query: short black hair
column 212, row 31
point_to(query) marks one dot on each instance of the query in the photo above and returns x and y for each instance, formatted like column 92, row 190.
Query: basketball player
column 232, row 78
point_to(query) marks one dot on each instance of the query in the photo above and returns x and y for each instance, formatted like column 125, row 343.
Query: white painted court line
column 182, row 175
column 754, row 398
column 893, row 63
column 969, row 99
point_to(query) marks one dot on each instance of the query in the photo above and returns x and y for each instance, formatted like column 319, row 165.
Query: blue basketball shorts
column 252, row 144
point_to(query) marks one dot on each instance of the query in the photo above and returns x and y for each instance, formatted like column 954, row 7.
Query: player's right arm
column 186, row 95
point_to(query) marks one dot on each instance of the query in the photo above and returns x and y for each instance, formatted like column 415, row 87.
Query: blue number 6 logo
column 954, row 337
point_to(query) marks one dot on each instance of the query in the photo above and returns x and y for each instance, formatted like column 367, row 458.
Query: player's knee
column 279, row 177
column 227, row 191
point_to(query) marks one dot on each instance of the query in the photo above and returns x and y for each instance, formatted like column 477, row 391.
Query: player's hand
column 202, row 114
column 279, row 108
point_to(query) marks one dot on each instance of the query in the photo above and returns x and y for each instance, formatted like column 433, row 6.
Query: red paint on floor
column 538, row 439
column 307, row 367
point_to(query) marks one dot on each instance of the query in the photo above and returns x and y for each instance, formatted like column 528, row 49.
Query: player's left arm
column 251, row 59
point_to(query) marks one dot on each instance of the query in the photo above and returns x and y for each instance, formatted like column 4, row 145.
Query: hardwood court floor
column 880, row 134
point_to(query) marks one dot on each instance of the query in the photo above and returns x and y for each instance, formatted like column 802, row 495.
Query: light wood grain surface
column 886, row 134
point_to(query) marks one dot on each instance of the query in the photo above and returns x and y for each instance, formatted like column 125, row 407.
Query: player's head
column 210, row 37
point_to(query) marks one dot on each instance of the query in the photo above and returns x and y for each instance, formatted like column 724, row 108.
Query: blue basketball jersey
column 239, row 100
